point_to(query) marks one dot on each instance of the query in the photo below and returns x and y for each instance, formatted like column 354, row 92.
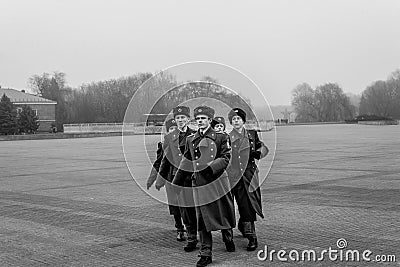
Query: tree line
column 107, row 101
column 382, row 98
column 328, row 102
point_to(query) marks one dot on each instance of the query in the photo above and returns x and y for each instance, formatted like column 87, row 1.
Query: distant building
column 45, row 109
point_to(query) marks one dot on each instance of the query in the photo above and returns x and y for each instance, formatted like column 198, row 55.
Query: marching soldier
column 243, row 174
column 170, row 125
column 206, row 157
column 218, row 124
column 174, row 146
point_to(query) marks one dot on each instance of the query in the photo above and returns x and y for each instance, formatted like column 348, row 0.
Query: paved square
column 72, row 202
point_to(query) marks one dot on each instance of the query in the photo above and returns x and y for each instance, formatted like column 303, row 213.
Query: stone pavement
column 73, row 202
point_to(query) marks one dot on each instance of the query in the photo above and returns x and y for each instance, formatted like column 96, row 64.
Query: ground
column 73, row 202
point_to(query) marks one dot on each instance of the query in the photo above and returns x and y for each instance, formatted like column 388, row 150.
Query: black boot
column 253, row 244
column 190, row 246
column 230, row 246
column 180, row 235
column 204, row 261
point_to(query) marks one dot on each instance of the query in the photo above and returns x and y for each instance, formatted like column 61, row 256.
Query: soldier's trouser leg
column 240, row 225
column 205, row 240
column 178, row 222
column 227, row 235
column 190, row 221
column 249, row 230
column 246, row 210
column 206, row 243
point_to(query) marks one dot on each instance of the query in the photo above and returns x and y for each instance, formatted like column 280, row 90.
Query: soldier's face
column 171, row 128
column 203, row 121
column 219, row 127
column 237, row 122
column 181, row 120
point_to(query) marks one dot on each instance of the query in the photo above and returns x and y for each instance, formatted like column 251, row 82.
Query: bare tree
column 324, row 104
column 382, row 98
column 303, row 100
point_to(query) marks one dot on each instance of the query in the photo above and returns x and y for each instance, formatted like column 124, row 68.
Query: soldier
column 174, row 146
column 206, row 157
column 170, row 125
column 243, row 174
column 218, row 124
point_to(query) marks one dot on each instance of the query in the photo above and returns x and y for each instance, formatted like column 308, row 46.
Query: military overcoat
column 169, row 165
column 173, row 209
column 172, row 153
column 211, row 187
column 243, row 165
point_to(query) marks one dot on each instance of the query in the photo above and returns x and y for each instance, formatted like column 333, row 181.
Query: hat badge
column 236, row 110
column 199, row 110
column 179, row 109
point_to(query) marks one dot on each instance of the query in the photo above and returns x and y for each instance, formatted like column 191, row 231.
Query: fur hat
column 205, row 111
column 169, row 123
column 181, row 110
column 237, row 112
column 218, row 120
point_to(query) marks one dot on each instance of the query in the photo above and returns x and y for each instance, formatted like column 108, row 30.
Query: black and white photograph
column 200, row 133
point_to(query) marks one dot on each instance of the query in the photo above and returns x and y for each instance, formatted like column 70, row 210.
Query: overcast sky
column 278, row 44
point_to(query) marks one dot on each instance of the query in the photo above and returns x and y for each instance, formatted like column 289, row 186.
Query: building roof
column 18, row 97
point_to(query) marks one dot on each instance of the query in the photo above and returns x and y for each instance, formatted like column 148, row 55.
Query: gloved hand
column 256, row 154
column 158, row 187
column 160, row 182
column 148, row 186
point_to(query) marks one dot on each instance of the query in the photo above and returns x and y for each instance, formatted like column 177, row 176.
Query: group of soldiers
column 204, row 171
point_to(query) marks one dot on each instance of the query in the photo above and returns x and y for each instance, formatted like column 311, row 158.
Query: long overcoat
column 172, row 152
column 243, row 165
column 211, row 187
column 173, row 209
column 169, row 165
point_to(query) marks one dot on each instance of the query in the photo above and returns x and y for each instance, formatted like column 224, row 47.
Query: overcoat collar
column 235, row 135
column 210, row 133
column 175, row 133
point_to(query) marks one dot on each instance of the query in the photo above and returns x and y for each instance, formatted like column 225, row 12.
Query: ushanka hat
column 218, row 120
column 204, row 110
column 169, row 123
column 237, row 112
column 181, row 110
